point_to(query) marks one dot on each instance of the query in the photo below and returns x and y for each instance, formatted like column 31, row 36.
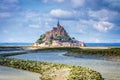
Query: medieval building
column 57, row 37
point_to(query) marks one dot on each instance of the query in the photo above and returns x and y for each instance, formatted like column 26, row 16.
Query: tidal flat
column 56, row 56
column 52, row 71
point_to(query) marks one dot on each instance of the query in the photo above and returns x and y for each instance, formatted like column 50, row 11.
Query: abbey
column 57, row 37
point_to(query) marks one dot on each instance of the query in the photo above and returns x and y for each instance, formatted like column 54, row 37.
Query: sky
column 90, row 21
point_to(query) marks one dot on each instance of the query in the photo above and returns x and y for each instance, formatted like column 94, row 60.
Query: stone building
column 58, row 37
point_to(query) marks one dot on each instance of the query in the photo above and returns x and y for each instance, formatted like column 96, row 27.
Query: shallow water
column 109, row 70
column 7, row 73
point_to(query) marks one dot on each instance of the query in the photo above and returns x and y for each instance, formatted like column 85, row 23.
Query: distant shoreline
column 87, row 47
column 37, row 47
column 87, row 44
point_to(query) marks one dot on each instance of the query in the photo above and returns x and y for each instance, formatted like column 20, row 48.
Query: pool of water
column 110, row 70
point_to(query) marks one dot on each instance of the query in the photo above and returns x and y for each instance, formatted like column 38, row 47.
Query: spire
column 58, row 24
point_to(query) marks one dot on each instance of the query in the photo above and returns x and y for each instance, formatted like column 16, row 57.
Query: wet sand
column 7, row 73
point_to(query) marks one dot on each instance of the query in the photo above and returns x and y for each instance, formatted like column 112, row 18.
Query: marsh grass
column 46, row 69
column 12, row 54
column 101, row 52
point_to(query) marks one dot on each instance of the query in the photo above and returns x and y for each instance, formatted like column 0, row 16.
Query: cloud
column 69, row 14
column 113, row 4
column 59, row 13
column 77, row 3
column 86, row 4
column 103, row 14
column 103, row 26
column 9, row 5
column 31, row 14
column 36, row 20
column 96, row 4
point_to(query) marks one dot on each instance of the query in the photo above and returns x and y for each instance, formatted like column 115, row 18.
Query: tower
column 58, row 24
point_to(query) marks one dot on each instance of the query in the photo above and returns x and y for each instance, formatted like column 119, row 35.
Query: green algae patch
column 101, row 52
column 52, row 71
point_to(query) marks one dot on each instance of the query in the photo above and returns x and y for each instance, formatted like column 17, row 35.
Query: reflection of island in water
column 57, row 37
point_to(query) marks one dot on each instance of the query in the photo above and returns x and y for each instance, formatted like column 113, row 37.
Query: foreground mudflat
column 51, row 71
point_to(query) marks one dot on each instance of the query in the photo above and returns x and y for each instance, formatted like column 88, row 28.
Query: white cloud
column 68, row 14
column 31, row 14
column 9, row 5
column 5, row 14
column 77, row 3
column 59, row 13
column 31, row 17
column 103, row 14
column 103, row 26
column 113, row 3
column 86, row 22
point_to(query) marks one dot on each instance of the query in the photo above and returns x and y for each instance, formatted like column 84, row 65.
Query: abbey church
column 57, row 37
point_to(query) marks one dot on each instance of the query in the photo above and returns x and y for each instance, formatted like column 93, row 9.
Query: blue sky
column 86, row 20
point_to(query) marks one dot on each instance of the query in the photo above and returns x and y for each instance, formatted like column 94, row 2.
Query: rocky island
column 57, row 37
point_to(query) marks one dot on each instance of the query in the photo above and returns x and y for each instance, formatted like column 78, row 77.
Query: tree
column 40, row 40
